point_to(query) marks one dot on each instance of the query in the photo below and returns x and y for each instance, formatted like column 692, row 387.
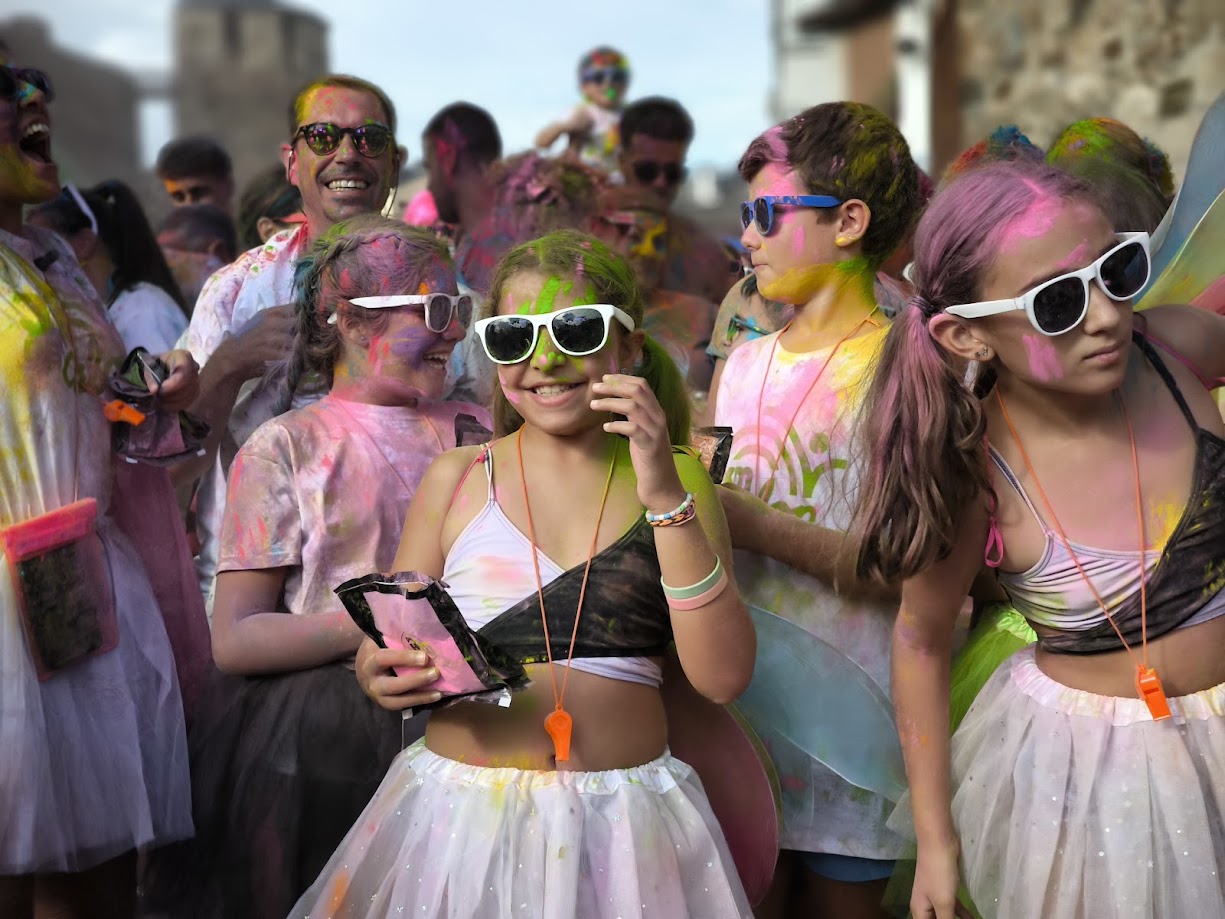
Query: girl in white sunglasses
column 1087, row 466
column 567, row 803
column 285, row 750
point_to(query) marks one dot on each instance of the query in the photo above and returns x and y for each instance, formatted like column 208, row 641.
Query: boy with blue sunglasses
column 832, row 192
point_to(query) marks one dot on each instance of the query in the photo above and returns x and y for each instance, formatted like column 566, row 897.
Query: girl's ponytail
column 922, row 430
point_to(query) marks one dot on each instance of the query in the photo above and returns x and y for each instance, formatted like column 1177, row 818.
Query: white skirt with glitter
column 444, row 839
column 1072, row 805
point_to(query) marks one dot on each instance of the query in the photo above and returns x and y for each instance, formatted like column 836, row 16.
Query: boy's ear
column 854, row 217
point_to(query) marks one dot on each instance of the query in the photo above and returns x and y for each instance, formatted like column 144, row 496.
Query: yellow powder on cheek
column 800, row 284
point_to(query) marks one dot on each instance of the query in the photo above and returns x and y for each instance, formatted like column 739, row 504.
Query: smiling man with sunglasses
column 655, row 137
column 341, row 154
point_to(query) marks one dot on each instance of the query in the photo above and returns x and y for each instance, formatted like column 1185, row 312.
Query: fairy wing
column 735, row 771
column 1187, row 264
column 824, row 704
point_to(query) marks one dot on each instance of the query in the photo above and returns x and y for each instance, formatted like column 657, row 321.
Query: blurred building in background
column 1156, row 65
column 239, row 63
column 950, row 71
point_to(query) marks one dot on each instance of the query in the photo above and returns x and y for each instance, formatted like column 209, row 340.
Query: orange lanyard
column 1148, row 684
column 765, row 380
column 558, row 724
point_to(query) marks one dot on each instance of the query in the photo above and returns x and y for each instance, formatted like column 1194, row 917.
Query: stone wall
column 238, row 70
column 1155, row 65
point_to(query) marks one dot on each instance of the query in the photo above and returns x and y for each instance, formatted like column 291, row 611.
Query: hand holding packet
column 143, row 433
column 413, row 610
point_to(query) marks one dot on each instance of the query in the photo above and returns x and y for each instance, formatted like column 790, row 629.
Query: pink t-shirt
column 323, row 490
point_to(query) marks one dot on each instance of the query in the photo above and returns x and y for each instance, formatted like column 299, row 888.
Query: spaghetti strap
column 1145, row 341
column 486, row 457
column 1007, row 472
column 1207, row 382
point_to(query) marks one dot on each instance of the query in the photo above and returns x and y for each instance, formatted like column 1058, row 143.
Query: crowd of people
column 389, row 552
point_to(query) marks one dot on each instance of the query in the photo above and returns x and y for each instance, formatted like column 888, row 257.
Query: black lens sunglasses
column 323, row 137
column 647, row 171
column 12, row 79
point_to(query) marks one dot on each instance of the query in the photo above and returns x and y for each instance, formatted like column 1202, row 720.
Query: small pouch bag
column 159, row 438
column 63, row 586
column 398, row 613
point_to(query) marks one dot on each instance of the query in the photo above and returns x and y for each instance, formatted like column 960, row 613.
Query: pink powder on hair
column 775, row 143
column 1043, row 359
column 1035, row 221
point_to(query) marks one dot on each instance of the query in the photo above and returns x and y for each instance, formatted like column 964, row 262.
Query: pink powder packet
column 411, row 610
column 406, row 623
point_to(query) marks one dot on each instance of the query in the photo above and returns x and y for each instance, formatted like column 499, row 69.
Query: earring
column 844, row 240
column 983, row 353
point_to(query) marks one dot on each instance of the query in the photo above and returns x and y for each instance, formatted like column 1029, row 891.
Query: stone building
column 239, row 63
column 94, row 119
column 950, row 71
column 1156, row 65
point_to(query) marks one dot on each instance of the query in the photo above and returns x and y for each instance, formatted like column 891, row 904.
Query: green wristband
column 688, row 593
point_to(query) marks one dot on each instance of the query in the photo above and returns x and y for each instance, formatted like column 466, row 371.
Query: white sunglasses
column 576, row 331
column 1060, row 304
column 440, row 309
column 79, row 200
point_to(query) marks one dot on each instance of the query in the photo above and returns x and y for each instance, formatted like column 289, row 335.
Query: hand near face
column 646, row 428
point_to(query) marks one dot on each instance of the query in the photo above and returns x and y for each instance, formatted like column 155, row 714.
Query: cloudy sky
column 516, row 58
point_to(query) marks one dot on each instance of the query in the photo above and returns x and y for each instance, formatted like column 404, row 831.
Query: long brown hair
column 922, row 426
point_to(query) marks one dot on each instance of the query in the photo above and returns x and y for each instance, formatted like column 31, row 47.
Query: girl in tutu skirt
column 567, row 803
column 286, row 750
column 1088, row 777
column 91, row 721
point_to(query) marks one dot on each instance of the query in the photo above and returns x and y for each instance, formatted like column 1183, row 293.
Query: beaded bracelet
column 683, row 514
column 694, row 590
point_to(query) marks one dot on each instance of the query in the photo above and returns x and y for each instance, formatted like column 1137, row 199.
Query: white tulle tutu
column 1071, row 805
column 93, row 762
column 445, row 839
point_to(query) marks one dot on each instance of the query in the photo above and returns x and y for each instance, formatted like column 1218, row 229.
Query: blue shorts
column 847, row 868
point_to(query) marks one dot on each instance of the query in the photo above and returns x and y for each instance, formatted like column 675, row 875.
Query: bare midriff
column 617, row 724
column 1187, row 660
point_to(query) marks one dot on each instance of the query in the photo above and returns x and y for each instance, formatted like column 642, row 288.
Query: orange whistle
column 1148, row 684
column 558, row 725
column 117, row 410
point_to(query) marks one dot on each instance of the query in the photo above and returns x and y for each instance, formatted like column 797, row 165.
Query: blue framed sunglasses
column 760, row 211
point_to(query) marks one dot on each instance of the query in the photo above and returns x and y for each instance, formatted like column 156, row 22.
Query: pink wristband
column 701, row 599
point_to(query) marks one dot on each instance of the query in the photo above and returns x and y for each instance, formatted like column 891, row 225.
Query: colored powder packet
column 714, row 448
column 64, row 594
column 412, row 610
